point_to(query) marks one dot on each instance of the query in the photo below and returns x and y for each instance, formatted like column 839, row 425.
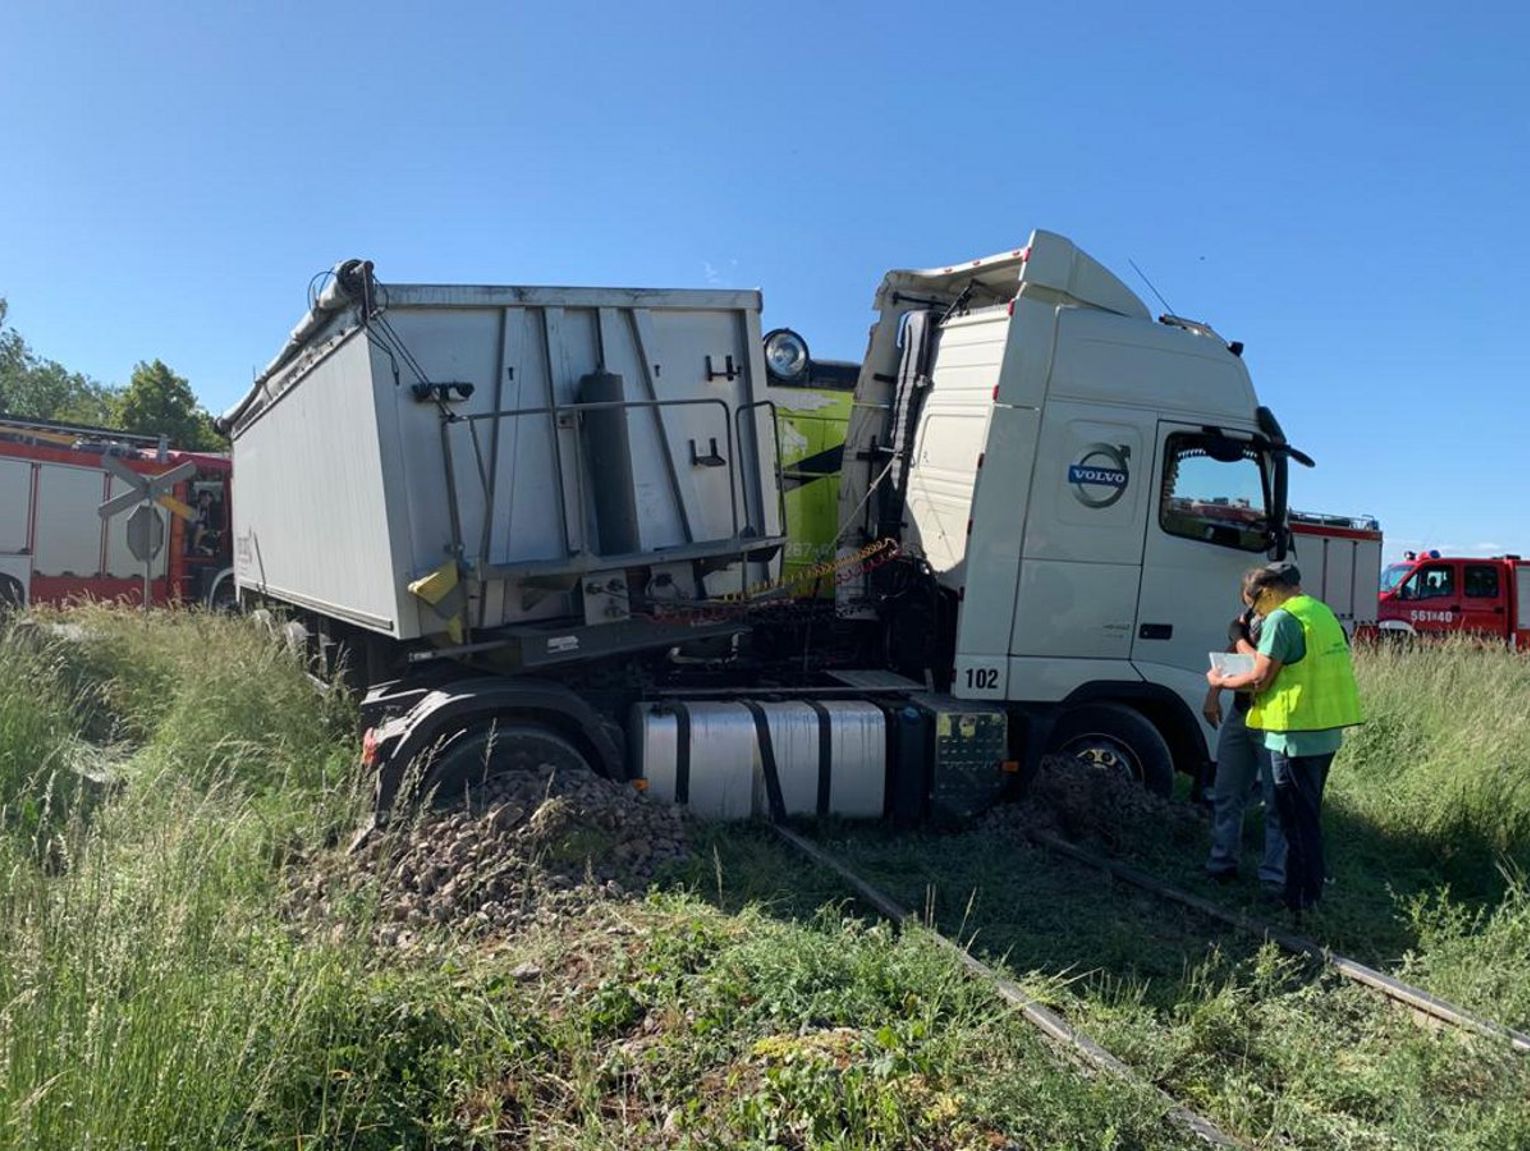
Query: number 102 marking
column 983, row 678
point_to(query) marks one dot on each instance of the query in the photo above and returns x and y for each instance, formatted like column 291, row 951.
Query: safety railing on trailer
column 775, row 436
column 564, row 417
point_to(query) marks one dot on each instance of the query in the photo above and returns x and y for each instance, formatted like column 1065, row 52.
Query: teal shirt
column 1282, row 639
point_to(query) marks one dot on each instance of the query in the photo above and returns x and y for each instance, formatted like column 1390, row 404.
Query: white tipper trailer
column 546, row 525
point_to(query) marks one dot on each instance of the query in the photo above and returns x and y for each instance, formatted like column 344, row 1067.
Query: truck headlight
column 786, row 355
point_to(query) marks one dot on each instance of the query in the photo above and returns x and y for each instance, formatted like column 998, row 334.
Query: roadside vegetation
column 161, row 780
column 1428, row 820
column 164, row 784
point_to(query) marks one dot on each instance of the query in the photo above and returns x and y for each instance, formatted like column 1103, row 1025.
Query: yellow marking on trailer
column 441, row 589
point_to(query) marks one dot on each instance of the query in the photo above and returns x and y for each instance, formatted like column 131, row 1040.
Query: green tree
column 157, row 401
column 32, row 387
column 13, row 350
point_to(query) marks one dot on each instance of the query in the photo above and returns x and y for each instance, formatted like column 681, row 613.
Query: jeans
column 1242, row 759
column 1299, row 782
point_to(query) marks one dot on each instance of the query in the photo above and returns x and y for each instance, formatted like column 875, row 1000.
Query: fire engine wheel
column 478, row 754
column 12, row 594
column 1116, row 738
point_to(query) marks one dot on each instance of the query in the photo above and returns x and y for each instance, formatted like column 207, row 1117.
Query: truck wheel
column 1117, row 738
column 480, row 753
column 223, row 597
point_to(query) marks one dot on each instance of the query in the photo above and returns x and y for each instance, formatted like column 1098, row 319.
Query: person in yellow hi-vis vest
column 1304, row 698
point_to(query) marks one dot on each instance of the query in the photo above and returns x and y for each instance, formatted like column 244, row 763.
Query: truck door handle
column 1498, row 609
column 1156, row 631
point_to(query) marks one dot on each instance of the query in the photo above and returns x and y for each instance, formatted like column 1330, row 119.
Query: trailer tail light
column 969, row 527
column 981, row 457
column 369, row 744
column 639, row 785
column 996, row 393
column 1010, row 767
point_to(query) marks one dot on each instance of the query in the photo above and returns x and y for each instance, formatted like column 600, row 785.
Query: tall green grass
column 1476, row 955
column 153, row 995
column 158, row 778
column 40, row 752
column 1439, row 775
column 150, row 993
column 214, row 697
column 1428, row 822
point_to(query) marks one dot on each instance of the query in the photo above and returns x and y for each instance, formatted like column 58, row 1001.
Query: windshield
column 1393, row 575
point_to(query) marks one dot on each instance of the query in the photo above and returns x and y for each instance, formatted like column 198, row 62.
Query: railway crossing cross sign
column 145, row 529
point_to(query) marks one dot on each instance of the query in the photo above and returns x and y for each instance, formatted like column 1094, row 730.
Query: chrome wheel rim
column 1104, row 753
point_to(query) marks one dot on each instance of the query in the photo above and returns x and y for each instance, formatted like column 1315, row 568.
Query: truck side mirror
column 1279, row 536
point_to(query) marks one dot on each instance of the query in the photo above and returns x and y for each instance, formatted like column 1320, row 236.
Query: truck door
column 1485, row 601
column 1207, row 526
column 1430, row 598
column 1083, row 533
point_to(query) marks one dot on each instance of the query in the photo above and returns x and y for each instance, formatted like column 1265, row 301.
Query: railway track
column 1073, row 1043
column 1420, row 1001
column 1092, row 1056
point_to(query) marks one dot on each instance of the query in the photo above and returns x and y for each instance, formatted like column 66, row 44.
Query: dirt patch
column 1087, row 804
column 525, row 848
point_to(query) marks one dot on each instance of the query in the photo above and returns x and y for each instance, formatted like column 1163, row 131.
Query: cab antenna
column 1166, row 306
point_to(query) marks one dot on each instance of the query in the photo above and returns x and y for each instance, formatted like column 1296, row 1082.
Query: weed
column 151, row 994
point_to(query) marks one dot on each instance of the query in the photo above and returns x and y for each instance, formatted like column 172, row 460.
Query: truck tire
column 480, row 753
column 1114, row 737
column 223, row 596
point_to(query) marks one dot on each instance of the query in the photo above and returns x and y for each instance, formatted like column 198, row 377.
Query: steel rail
column 1071, row 1041
column 1405, row 993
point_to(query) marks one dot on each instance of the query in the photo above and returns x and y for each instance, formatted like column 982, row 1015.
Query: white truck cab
column 1087, row 483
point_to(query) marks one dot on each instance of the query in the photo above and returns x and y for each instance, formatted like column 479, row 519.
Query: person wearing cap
column 1241, row 760
column 1304, row 697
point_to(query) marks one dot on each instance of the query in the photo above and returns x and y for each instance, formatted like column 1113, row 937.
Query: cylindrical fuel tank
column 829, row 756
column 697, row 755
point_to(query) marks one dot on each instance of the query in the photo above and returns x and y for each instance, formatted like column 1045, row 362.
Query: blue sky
column 1345, row 192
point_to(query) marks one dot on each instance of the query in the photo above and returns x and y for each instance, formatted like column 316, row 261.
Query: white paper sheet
column 1231, row 663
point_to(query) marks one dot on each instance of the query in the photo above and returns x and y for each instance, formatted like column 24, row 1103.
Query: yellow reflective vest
column 1317, row 692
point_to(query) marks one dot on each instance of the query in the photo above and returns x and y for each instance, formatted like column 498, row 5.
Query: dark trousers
column 1299, row 781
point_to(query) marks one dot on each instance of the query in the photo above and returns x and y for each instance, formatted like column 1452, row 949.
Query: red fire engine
column 1431, row 594
column 1340, row 561
column 54, row 545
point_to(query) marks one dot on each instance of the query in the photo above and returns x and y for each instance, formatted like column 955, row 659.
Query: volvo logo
column 1099, row 477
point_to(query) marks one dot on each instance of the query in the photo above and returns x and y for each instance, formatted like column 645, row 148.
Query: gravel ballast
column 521, row 848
